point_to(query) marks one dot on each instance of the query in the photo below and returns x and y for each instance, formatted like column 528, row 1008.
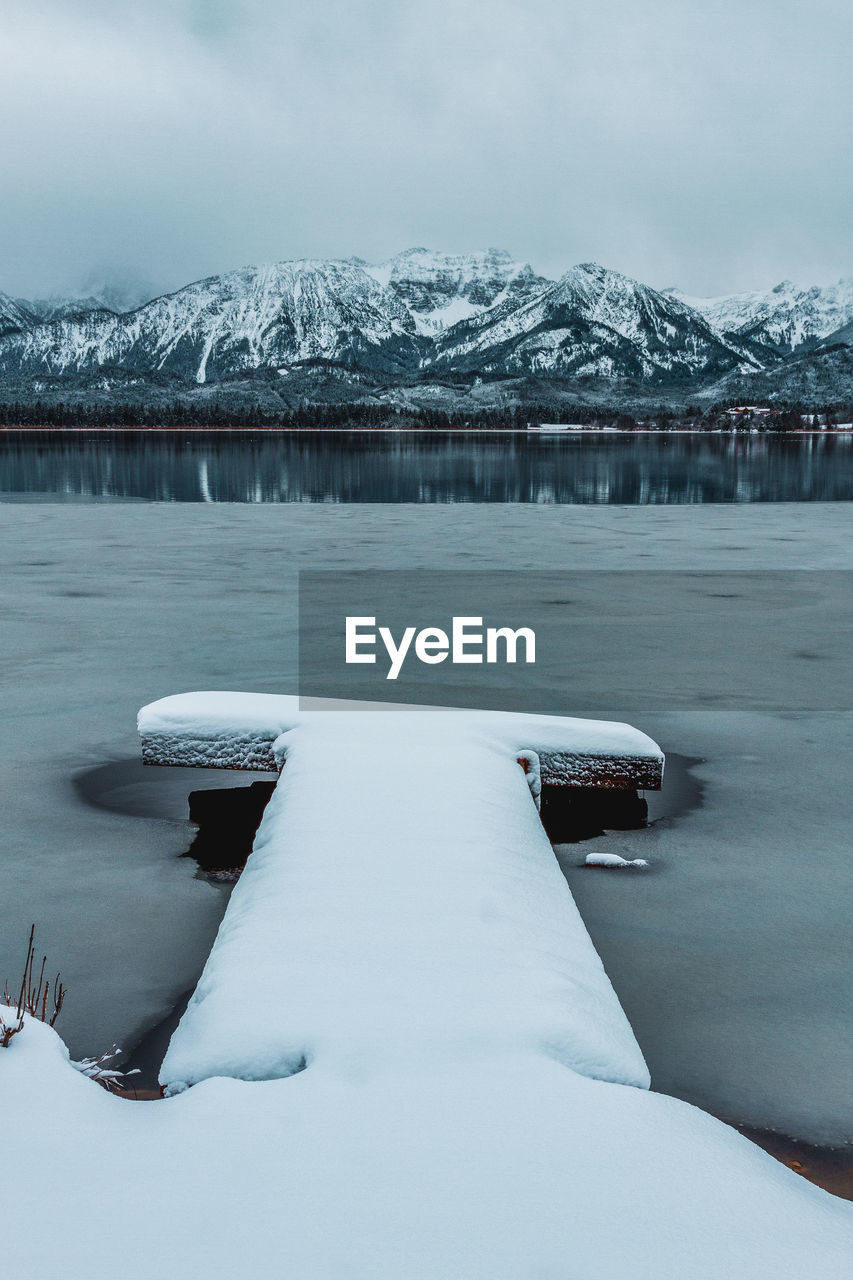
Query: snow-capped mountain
column 419, row 318
column 15, row 317
column 440, row 290
column 593, row 323
column 781, row 319
column 258, row 317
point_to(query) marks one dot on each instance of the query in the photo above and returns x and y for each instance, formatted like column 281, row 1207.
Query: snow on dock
column 402, row 901
column 224, row 730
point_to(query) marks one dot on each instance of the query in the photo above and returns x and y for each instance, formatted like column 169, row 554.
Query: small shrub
column 34, row 997
column 9, row 1030
column 110, row 1079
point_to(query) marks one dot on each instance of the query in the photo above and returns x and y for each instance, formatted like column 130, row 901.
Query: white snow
column 381, row 273
column 787, row 314
column 283, row 312
column 614, row 318
column 443, row 317
column 226, row 729
column 402, row 903
column 291, row 311
column 612, row 860
column 503, row 1168
column 443, row 289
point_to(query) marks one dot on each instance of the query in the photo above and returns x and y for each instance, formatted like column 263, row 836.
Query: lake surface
column 730, row 954
column 393, row 466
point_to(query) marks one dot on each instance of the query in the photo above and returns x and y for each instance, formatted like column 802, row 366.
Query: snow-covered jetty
column 402, row 900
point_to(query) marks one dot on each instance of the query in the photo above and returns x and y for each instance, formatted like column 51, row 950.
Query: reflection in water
column 392, row 466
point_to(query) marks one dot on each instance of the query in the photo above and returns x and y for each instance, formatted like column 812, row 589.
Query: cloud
column 698, row 144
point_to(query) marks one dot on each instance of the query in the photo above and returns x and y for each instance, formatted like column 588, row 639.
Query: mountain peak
column 435, row 260
column 780, row 319
column 595, row 273
column 15, row 317
column 443, row 289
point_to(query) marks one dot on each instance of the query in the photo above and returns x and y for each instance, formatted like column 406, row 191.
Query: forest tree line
column 360, row 415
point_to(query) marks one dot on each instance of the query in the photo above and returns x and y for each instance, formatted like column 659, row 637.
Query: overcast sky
column 706, row 145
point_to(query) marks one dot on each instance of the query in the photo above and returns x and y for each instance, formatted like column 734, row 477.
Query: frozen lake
column 424, row 466
column 731, row 955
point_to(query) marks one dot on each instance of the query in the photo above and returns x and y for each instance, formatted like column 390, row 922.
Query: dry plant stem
column 33, row 996
column 6, row 1033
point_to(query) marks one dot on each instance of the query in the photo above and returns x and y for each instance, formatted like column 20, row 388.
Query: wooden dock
column 402, row 903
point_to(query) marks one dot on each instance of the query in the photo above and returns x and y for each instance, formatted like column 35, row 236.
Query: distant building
column 749, row 411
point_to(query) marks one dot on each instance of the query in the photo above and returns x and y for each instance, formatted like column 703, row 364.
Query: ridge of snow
column 271, row 315
column 424, row 309
column 785, row 315
column 442, row 289
column 592, row 321
column 214, row 725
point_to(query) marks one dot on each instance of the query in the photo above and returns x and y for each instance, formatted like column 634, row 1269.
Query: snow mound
column 503, row 1170
column 612, row 860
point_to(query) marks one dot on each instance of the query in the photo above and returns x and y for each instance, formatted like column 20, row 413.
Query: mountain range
column 430, row 328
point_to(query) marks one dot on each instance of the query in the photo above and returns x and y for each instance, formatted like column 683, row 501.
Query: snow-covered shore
column 526, row 1169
